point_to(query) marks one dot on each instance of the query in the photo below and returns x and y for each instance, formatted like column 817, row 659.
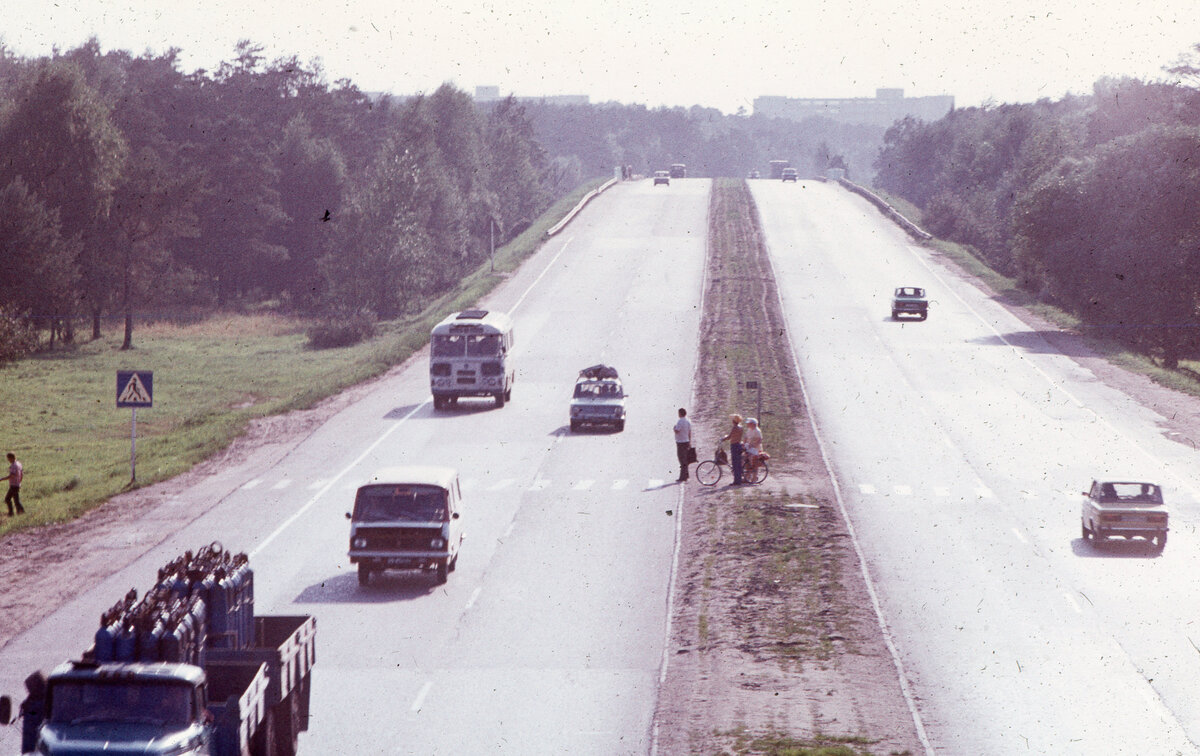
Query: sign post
column 751, row 385
column 135, row 388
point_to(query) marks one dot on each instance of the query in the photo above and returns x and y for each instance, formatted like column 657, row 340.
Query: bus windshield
column 486, row 345
column 449, row 346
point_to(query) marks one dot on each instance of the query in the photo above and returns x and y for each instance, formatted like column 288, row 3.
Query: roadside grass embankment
column 1007, row 291
column 767, row 569
column 211, row 380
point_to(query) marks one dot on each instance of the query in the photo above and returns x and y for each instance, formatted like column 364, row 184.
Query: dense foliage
column 1092, row 202
column 130, row 186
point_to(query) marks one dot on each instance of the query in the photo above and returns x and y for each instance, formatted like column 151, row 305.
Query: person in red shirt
column 15, row 473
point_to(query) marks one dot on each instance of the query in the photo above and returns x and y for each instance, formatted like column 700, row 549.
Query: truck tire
column 364, row 574
column 443, row 571
column 499, row 399
column 1160, row 542
column 575, row 426
column 287, row 726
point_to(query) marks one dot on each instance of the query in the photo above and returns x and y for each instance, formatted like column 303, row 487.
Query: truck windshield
column 158, row 703
column 389, row 503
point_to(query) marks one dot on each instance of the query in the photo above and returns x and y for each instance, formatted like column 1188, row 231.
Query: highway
column 960, row 446
column 549, row 636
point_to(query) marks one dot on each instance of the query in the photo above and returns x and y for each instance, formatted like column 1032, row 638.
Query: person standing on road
column 683, row 443
column 735, row 448
column 32, row 710
column 15, row 473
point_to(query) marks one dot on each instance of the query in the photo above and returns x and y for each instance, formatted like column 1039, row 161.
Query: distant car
column 909, row 300
column 753, row 175
column 789, row 174
column 599, row 399
column 678, row 170
column 406, row 518
column 662, row 177
column 1126, row 509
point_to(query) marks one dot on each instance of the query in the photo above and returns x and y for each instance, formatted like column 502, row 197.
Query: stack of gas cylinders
column 202, row 600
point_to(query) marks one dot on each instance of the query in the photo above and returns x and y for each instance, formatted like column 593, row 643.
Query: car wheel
column 508, row 394
column 895, row 315
column 453, row 564
column 500, row 399
column 443, row 570
column 1160, row 542
column 575, row 426
column 364, row 574
column 1087, row 534
column 620, row 425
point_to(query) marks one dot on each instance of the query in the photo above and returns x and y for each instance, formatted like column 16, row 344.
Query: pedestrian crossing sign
column 135, row 388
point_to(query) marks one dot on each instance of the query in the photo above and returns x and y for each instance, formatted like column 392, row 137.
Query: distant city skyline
column 713, row 53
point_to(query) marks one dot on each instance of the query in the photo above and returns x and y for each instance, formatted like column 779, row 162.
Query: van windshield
column 388, row 503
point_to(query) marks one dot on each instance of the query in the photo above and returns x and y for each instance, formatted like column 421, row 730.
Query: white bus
column 470, row 354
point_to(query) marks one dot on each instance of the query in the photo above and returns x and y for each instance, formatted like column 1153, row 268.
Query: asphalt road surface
column 549, row 636
column 961, row 446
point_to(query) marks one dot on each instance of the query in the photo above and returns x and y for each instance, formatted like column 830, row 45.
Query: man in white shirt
column 683, row 442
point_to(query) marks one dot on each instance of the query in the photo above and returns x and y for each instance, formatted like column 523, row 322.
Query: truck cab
column 407, row 518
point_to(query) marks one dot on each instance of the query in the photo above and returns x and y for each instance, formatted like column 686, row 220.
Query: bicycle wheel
column 756, row 476
column 708, row 473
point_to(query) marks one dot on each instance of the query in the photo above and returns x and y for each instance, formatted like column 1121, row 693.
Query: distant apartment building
column 886, row 107
column 492, row 94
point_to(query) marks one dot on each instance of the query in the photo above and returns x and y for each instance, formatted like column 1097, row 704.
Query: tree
column 61, row 141
column 40, row 266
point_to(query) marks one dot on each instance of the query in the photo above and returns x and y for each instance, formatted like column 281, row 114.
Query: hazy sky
column 717, row 53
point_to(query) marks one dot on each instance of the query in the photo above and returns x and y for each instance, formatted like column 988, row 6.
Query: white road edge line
column 862, row 558
column 545, row 270
column 1019, row 535
column 419, row 701
column 309, row 504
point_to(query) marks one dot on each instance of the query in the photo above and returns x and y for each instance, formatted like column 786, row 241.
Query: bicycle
column 708, row 472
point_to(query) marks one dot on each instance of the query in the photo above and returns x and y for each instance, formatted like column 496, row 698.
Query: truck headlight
column 437, row 543
column 358, row 543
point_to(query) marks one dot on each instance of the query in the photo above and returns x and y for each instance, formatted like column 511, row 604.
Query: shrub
column 18, row 337
column 342, row 330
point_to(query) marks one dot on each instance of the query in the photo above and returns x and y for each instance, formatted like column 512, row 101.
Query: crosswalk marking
column 317, row 484
column 984, row 493
column 502, row 484
column 583, row 485
column 281, row 485
column 251, row 485
column 903, row 490
column 541, row 484
column 866, row 488
column 619, row 484
column 655, row 483
column 941, row 491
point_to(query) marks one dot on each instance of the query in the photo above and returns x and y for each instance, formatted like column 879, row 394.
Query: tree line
column 1092, row 202
column 131, row 186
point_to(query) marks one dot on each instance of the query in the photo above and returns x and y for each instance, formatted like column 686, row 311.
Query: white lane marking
column 984, row 493
column 902, row 490
column 655, row 483
column 583, row 485
column 502, row 484
column 420, row 699
column 1020, row 536
column 866, row 488
column 545, row 270
column 471, row 601
column 508, row 531
column 313, row 499
column 541, row 484
column 1073, row 603
column 281, row 484
column 619, row 484
column 250, row 485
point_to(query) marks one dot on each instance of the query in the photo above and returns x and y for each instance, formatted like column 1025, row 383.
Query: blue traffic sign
column 135, row 388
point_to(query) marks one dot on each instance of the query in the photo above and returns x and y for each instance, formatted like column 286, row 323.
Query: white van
column 407, row 518
column 470, row 354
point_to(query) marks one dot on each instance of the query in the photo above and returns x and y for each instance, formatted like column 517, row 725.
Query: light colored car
column 789, row 174
column 662, row 177
column 598, row 399
column 909, row 300
column 407, row 518
column 1113, row 508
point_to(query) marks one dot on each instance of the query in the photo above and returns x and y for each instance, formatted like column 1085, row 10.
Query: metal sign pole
column 133, row 448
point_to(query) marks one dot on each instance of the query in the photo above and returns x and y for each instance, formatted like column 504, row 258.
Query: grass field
column 210, row 379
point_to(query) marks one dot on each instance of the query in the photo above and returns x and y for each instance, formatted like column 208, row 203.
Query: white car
column 598, row 399
column 1126, row 509
column 662, row 177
